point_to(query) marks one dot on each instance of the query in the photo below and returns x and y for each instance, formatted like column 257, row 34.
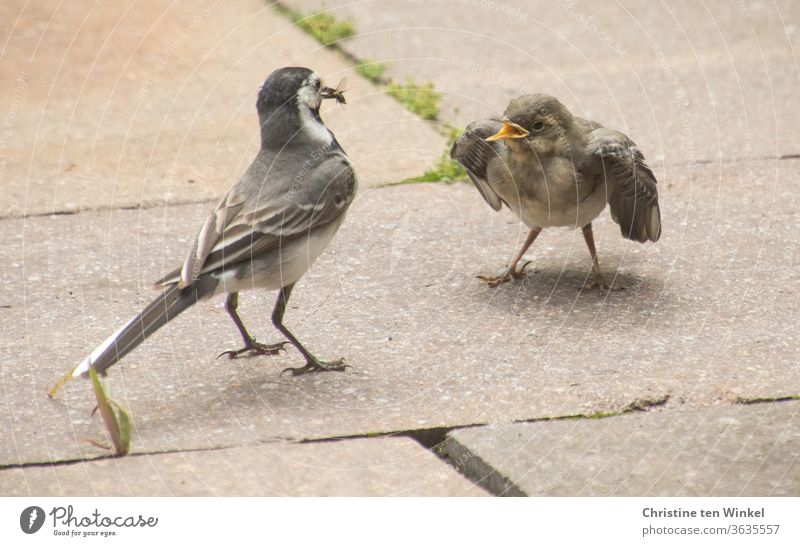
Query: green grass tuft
column 323, row 25
column 325, row 28
column 446, row 170
column 422, row 99
column 372, row 70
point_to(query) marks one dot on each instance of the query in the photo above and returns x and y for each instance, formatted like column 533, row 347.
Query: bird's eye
column 538, row 126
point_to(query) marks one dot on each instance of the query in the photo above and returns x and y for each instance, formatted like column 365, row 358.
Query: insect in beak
column 335, row 93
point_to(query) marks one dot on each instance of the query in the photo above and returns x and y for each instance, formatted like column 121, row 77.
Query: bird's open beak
column 509, row 130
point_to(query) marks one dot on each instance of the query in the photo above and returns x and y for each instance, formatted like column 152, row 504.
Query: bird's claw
column 519, row 272
column 601, row 284
column 516, row 273
column 315, row 366
column 257, row 348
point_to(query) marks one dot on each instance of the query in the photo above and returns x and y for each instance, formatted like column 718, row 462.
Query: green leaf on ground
column 116, row 419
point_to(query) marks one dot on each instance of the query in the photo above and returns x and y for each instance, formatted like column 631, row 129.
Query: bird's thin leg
column 598, row 281
column 513, row 271
column 312, row 363
column 250, row 344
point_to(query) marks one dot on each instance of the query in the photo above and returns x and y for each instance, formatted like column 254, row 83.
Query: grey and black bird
column 555, row 169
column 267, row 231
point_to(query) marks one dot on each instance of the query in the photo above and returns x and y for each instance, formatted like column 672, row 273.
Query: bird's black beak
column 331, row 93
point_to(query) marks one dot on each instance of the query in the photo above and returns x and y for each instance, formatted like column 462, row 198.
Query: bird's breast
column 554, row 195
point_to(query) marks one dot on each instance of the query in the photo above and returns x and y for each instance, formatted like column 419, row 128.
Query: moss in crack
column 601, row 415
column 446, row 170
column 322, row 25
column 372, row 70
column 422, row 99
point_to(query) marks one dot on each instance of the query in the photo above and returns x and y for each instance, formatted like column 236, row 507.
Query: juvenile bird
column 266, row 232
column 555, row 169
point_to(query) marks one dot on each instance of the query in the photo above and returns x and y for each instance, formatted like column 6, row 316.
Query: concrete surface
column 707, row 317
column 687, row 82
column 743, row 450
column 381, row 466
column 118, row 104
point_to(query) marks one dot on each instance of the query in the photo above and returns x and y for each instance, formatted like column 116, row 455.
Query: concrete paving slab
column 368, row 467
column 708, row 318
column 687, row 82
column 109, row 104
column 743, row 450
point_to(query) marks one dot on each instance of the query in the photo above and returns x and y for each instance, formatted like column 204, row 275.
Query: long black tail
column 172, row 302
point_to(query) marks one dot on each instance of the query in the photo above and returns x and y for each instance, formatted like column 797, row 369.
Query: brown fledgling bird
column 555, row 169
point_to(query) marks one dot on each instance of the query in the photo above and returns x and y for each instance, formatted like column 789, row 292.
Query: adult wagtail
column 554, row 169
column 267, row 231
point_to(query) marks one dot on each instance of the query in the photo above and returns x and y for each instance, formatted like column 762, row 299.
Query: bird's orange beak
column 508, row 131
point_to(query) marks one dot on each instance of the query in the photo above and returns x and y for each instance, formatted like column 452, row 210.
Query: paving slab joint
column 484, row 475
column 144, row 205
column 477, row 470
column 766, row 399
column 289, row 14
column 429, row 438
column 68, row 462
column 447, row 170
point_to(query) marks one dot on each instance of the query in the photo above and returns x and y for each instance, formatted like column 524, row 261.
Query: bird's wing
column 243, row 226
column 633, row 195
column 474, row 153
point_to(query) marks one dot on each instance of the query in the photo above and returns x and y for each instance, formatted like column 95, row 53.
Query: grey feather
column 633, row 192
column 321, row 192
column 474, row 153
column 168, row 305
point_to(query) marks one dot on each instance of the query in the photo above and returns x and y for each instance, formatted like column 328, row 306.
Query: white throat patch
column 308, row 101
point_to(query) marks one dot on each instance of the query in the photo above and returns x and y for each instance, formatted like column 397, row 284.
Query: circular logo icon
column 31, row 519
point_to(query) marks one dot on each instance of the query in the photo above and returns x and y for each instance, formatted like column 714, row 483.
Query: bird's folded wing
column 244, row 226
column 633, row 195
column 474, row 153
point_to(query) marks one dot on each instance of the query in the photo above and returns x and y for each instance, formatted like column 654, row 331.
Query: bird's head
column 288, row 107
column 295, row 87
column 537, row 122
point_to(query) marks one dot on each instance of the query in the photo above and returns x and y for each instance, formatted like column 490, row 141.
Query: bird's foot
column 600, row 283
column 515, row 273
column 317, row 366
column 254, row 346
